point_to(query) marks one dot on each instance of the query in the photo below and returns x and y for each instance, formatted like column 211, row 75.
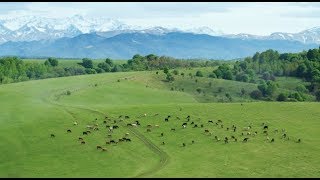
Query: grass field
column 31, row 111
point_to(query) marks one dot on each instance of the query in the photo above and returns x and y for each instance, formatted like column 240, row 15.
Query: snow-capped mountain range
column 33, row 28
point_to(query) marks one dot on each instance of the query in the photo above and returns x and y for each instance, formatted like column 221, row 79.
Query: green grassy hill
column 31, row 111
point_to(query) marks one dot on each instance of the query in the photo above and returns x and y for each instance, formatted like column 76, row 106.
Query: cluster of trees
column 13, row 69
column 269, row 64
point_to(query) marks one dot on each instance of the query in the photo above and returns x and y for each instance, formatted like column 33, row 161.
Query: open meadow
column 132, row 124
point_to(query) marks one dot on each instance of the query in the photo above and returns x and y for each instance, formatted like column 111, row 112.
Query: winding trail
column 164, row 157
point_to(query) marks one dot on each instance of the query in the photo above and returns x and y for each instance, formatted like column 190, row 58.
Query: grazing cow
column 128, row 139
column 184, row 124
column 192, row 141
column 145, row 115
column 221, row 126
column 235, row 139
column 90, row 127
column 169, row 116
column 104, row 149
column 284, row 135
column 173, row 129
column 227, row 129
column 166, row 119
column 195, row 126
column 99, row 147
column 109, row 135
column 120, row 116
column 298, row 141
column 188, row 117
column 192, row 122
column 210, row 121
column 148, row 130
column 88, row 131
column 242, row 134
column 248, row 133
column 245, row 139
column 265, row 127
column 75, row 123
column 69, row 131
column 206, row 130
column 265, row 132
column 183, row 144
column 247, row 128
column 234, row 130
column 105, row 122
column 276, row 131
column 127, row 134
column 112, row 141
column 129, row 124
column 232, row 137
column 107, row 142
column 161, row 134
column 149, row 126
column 134, row 125
column 85, row 133
column 82, row 142
column 156, row 114
column 126, row 117
column 163, row 143
column 225, row 140
column 80, row 138
column 96, row 118
column 219, row 121
column 177, row 118
column 96, row 129
column 114, row 121
column 52, row 135
column 202, row 125
column 115, row 127
column 272, row 140
column 156, row 125
column 268, row 139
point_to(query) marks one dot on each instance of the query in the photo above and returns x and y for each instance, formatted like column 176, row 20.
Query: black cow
column 128, row 139
column 245, row 139
column 195, row 126
column 105, row 122
column 272, row 140
column 184, row 124
column 99, row 147
column 161, row 134
column 82, row 142
column 148, row 130
column 265, row 127
column 210, row 121
column 219, row 121
column 69, row 131
column 52, row 135
column 85, row 133
column 126, row 117
column 202, row 125
column 299, row 140
column 115, row 127
column 112, row 141
column 192, row 122
column 183, row 144
column 166, row 119
column 173, row 129
column 80, row 138
column 192, row 141
column 163, row 143
column 129, row 124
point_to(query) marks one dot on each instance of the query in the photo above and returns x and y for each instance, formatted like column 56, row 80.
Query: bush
column 281, row 97
column 212, row 75
column 256, row 94
column 199, row 90
column 199, row 74
column 175, row 72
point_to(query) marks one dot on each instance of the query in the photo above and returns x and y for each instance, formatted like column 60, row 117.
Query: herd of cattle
column 244, row 134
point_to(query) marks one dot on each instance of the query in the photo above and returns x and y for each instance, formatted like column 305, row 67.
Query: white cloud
column 255, row 18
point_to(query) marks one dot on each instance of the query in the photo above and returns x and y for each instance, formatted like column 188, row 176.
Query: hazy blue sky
column 245, row 17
